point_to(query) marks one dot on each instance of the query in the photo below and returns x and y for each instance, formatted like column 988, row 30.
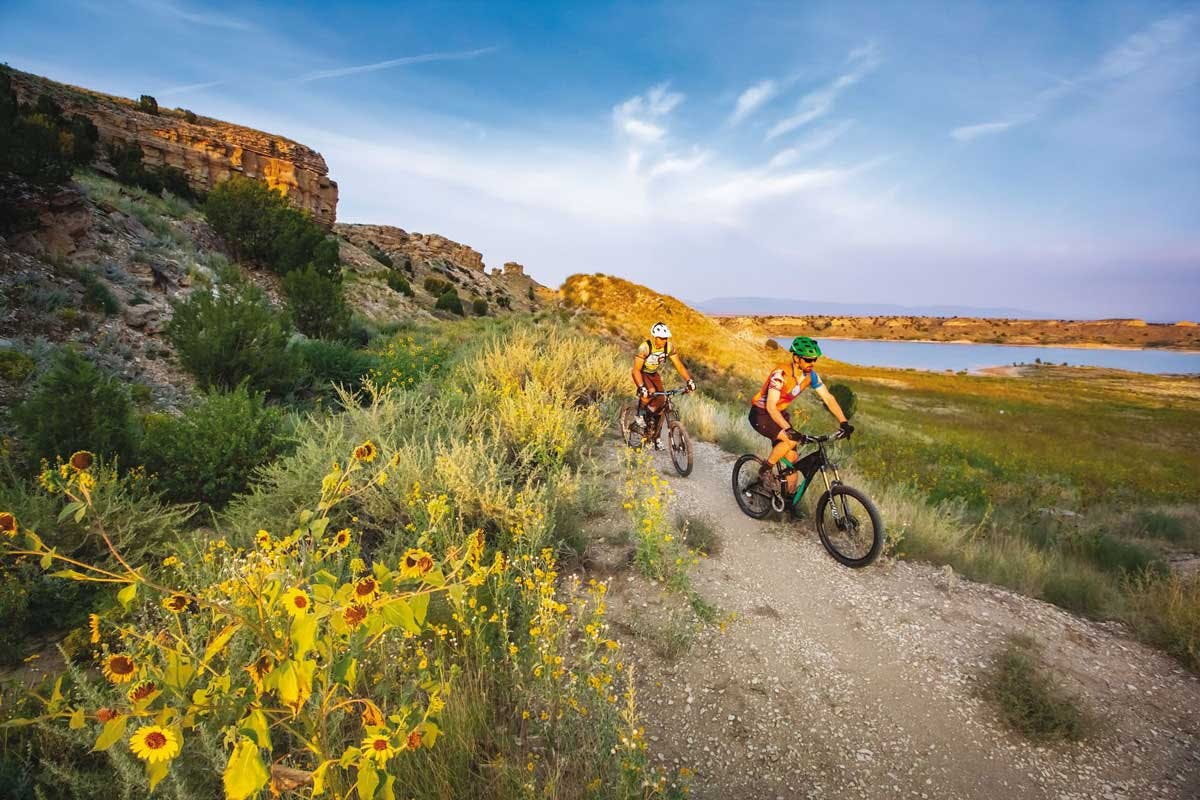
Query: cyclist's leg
column 653, row 405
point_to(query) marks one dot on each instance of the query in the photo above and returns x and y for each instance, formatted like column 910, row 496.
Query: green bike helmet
column 805, row 347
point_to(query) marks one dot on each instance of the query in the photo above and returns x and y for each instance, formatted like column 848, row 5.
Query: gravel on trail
column 829, row 682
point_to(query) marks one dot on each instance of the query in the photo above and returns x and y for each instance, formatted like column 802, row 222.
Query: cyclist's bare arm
column 831, row 403
column 638, row 361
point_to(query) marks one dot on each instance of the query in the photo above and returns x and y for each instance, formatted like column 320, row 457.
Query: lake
column 941, row 356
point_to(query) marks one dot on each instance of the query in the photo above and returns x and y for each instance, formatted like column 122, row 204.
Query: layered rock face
column 418, row 247
column 208, row 151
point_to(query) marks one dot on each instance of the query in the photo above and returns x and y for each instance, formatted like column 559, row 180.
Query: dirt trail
column 833, row 682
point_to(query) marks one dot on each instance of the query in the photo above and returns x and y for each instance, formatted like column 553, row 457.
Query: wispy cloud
column 752, row 99
column 675, row 164
column 195, row 16
column 817, row 141
column 190, row 87
column 640, row 117
column 424, row 58
column 816, row 104
column 966, row 133
column 1134, row 54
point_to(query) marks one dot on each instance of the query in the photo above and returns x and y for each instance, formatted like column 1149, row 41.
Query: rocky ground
column 822, row 681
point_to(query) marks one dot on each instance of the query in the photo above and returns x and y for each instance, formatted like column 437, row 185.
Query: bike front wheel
column 849, row 526
column 681, row 448
column 625, row 417
column 752, row 497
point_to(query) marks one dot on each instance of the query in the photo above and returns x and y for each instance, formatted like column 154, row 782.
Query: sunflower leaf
column 126, row 595
column 156, row 772
column 111, row 733
column 245, row 774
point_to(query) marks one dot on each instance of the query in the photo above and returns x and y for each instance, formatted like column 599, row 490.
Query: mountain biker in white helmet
column 651, row 355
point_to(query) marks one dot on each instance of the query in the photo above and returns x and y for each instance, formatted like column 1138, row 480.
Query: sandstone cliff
column 208, row 151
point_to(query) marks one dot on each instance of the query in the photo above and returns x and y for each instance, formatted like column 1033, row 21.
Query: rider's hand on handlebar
column 691, row 385
column 796, row 436
column 845, row 430
column 643, row 391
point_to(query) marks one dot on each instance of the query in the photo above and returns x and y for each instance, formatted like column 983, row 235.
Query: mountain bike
column 678, row 443
column 847, row 521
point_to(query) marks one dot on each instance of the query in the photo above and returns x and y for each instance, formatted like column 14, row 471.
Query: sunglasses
column 809, row 360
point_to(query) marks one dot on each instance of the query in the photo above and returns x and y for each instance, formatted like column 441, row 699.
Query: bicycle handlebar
column 828, row 437
column 668, row 393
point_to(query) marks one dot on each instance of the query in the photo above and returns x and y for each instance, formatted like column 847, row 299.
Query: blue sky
column 1032, row 155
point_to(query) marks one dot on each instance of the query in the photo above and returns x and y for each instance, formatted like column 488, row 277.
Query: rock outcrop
column 417, row 247
column 208, row 151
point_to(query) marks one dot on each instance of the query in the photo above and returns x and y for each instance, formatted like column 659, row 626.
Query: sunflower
column 105, row 715
column 296, row 602
column 141, row 690
column 340, row 539
column 414, row 740
column 119, row 668
column 94, row 627
column 81, row 460
column 365, row 589
column 176, row 603
column 8, row 524
column 379, row 747
column 416, row 562
column 262, row 539
column 365, row 452
column 154, row 743
column 354, row 615
column 86, row 481
column 372, row 717
column 260, row 669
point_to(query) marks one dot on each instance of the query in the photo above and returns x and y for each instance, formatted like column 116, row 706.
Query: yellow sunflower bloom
column 94, row 627
column 8, row 524
column 176, row 603
column 154, row 743
column 354, row 615
column 365, row 452
column 366, row 589
column 81, row 460
column 379, row 747
column 119, row 668
column 415, row 563
column 296, row 602
column 262, row 539
column 141, row 690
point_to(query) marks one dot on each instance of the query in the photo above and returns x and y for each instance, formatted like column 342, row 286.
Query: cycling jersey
column 653, row 359
column 790, row 386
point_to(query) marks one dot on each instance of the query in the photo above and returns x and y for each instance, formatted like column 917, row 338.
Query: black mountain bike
column 847, row 521
column 678, row 442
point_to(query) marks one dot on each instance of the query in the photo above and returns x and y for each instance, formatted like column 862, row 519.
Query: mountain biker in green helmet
column 768, row 410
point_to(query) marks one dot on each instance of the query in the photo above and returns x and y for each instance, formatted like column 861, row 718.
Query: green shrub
column 479, row 307
column 15, row 367
column 504, row 301
column 336, row 363
column 436, row 285
column 1158, row 525
column 126, row 160
column 532, row 297
column 260, row 225
column 97, row 296
column 37, row 144
column 147, row 104
column 1165, row 611
column 450, row 301
column 234, row 337
column 316, row 303
column 398, row 283
column 379, row 255
column 1029, row 698
column 75, row 406
column 846, row 398
column 190, row 116
column 209, row 453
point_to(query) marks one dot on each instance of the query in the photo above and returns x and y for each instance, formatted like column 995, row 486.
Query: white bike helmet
column 661, row 330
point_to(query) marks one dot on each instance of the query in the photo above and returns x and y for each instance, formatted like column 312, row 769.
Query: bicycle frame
column 807, row 467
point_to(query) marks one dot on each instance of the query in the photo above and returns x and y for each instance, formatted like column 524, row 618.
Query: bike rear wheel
column 752, row 497
column 849, row 526
column 681, row 448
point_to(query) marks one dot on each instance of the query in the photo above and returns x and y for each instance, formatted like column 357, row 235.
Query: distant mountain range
column 771, row 306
